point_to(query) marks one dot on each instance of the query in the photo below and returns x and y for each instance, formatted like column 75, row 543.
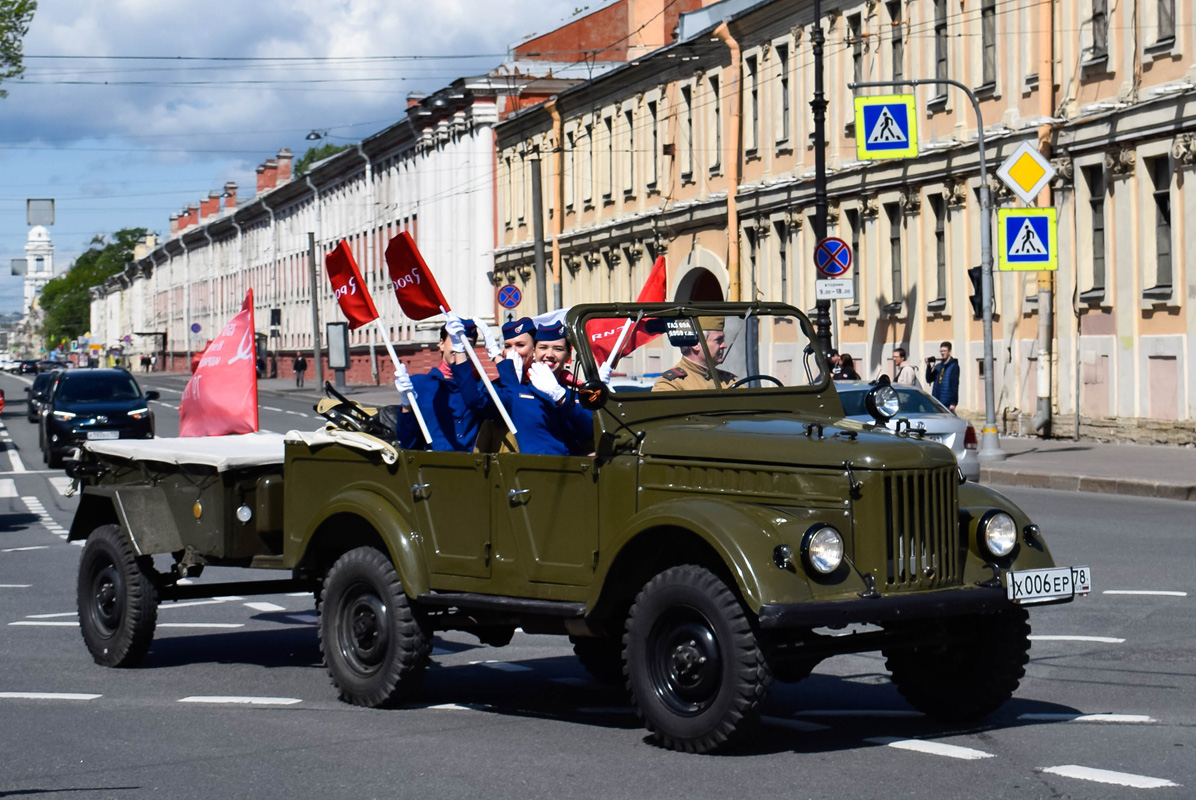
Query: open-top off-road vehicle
column 722, row 524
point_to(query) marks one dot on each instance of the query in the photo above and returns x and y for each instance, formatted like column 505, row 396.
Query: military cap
column 518, row 327
column 712, row 323
column 550, row 333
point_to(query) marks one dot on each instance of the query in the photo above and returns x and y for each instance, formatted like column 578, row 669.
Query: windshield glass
column 690, row 353
column 96, row 387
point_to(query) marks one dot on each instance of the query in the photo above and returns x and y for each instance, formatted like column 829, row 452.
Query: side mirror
column 153, row 395
column 593, row 395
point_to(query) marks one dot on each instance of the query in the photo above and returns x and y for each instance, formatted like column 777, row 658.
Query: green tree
column 15, row 16
column 65, row 299
column 315, row 154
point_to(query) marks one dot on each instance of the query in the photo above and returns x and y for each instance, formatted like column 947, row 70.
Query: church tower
column 39, row 261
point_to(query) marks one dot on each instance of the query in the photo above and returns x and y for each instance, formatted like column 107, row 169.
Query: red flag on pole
column 604, row 333
column 414, row 286
column 349, row 288
column 221, row 397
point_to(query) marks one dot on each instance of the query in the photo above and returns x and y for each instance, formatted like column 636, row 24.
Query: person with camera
column 944, row 377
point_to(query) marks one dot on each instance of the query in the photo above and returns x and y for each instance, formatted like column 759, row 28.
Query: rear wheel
column 375, row 644
column 695, row 671
column 117, row 599
column 970, row 668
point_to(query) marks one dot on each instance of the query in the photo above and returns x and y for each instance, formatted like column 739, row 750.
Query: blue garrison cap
column 550, row 333
column 518, row 327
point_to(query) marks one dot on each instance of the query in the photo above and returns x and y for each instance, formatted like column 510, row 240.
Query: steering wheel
column 742, row 381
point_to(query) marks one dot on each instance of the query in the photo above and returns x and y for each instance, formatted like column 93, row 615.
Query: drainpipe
column 211, row 274
column 558, row 193
column 1046, row 107
column 240, row 256
column 313, row 238
column 369, row 248
column 731, row 159
column 187, row 300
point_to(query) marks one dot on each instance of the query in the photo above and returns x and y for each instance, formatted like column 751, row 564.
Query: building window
column 1160, row 173
column 629, row 160
column 753, row 111
column 893, row 212
column 988, row 37
column 716, row 112
column 939, row 206
column 587, row 173
column 853, row 225
column 509, row 204
column 1166, row 15
column 898, row 42
column 855, row 33
column 1100, row 30
column 782, row 233
column 783, row 132
column 941, row 42
column 570, row 168
column 608, row 170
column 1094, row 178
column 687, row 133
column 654, row 151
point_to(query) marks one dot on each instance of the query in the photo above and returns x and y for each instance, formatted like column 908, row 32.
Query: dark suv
column 38, row 393
column 94, row 404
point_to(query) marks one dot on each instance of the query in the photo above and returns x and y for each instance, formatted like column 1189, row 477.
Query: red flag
column 604, row 333
column 416, row 289
column 349, row 288
column 221, row 397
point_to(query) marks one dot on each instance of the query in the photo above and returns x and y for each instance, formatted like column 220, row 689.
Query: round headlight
column 822, row 549
column 998, row 533
column 882, row 403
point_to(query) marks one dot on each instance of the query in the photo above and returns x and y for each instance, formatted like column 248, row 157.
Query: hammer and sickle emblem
column 244, row 349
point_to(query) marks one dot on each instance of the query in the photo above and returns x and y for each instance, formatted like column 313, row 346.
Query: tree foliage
column 65, row 299
column 15, row 16
column 315, row 154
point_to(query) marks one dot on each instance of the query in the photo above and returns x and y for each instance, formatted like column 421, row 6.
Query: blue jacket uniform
column 452, row 409
column 544, row 427
column 944, row 382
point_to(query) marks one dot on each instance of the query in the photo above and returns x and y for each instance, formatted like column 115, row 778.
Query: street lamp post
column 822, row 308
column 990, row 444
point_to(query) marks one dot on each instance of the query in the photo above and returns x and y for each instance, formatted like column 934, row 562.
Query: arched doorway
column 698, row 279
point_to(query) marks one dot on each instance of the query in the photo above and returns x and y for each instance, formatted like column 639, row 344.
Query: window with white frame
column 853, row 232
column 570, row 160
column 752, row 123
column 897, row 39
column 893, row 213
column 942, row 44
column 509, row 200
column 783, row 110
column 1159, row 170
column 652, row 161
column 687, row 133
column 938, row 206
column 781, row 234
column 587, row 166
column 988, row 42
column 629, row 154
column 608, row 156
column 1094, row 182
column 855, row 37
column 1099, row 30
column 716, row 125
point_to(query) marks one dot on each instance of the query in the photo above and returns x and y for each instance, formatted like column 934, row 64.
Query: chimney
column 230, row 196
column 174, row 224
column 192, row 214
column 284, row 166
column 184, row 219
column 271, row 172
column 413, row 98
column 210, row 206
column 261, row 178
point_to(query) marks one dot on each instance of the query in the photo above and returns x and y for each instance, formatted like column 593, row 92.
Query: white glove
column 516, row 362
column 404, row 385
column 544, row 379
column 604, row 371
column 493, row 349
column 456, row 331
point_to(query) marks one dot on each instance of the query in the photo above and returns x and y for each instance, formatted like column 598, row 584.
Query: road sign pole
column 822, row 308
column 990, row 443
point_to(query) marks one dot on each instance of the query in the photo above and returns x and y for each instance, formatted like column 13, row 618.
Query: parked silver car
column 923, row 411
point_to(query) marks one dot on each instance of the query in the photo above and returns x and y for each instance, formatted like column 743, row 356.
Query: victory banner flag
column 606, row 334
column 414, row 286
column 349, row 288
column 221, row 397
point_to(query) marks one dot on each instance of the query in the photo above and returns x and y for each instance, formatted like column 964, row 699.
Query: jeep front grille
column 922, row 528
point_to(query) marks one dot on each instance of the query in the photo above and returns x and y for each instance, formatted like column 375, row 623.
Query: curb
column 1081, row 483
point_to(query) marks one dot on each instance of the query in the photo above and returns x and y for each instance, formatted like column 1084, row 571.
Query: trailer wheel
column 117, row 599
column 696, row 673
column 375, row 644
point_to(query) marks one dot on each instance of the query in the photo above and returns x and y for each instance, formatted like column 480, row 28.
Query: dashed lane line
column 265, row 607
column 23, row 549
column 931, row 748
column 502, row 666
column 1109, row 776
column 241, row 700
column 53, row 616
column 15, row 585
column 48, row 696
column 44, row 623
column 8, row 488
column 14, row 458
column 1067, row 638
column 1133, row 719
column 296, row 413
column 271, row 408
column 1146, row 592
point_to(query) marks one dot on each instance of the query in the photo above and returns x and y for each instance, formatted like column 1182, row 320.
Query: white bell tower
column 39, row 260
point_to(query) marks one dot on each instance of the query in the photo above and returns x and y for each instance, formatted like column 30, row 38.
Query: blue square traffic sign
column 1027, row 239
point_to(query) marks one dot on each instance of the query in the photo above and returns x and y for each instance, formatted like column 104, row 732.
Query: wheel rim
column 364, row 635
column 685, row 662
column 107, row 599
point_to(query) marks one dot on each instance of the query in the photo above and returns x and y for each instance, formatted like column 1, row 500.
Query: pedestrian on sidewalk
column 300, row 367
column 847, row 369
column 904, row 373
column 944, row 377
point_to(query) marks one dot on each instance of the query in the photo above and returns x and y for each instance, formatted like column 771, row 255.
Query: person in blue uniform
column 519, row 335
column 450, row 396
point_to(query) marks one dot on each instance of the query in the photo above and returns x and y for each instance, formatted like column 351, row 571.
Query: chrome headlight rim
column 983, row 541
column 882, row 402
column 814, row 550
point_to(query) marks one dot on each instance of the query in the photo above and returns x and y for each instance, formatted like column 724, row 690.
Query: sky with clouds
column 122, row 141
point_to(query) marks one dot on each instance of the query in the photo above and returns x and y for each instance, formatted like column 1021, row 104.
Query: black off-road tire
column 971, row 669
column 117, row 598
column 375, row 644
column 695, row 670
column 602, row 657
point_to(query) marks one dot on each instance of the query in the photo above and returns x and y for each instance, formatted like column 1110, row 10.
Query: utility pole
column 538, row 235
column 822, row 308
column 315, row 310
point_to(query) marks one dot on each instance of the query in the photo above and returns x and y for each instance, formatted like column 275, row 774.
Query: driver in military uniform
column 692, row 373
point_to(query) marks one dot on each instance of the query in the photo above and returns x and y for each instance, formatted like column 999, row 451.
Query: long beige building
column 702, row 151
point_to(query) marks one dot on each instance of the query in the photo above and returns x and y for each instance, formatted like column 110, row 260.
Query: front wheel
column 696, row 674
column 969, row 667
column 117, row 599
column 375, row 644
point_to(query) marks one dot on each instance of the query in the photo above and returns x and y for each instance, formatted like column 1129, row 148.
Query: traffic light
column 977, row 296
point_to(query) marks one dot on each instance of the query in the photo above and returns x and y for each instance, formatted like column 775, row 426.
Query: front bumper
column 911, row 606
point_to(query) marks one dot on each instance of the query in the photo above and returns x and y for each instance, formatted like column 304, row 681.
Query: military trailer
column 727, row 523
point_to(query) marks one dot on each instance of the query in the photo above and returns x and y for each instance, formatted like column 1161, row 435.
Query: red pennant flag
column 349, row 288
column 604, row 333
column 415, row 288
column 221, row 397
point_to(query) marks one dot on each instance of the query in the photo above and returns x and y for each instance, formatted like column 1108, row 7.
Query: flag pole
column 610, row 358
column 477, row 364
column 419, row 416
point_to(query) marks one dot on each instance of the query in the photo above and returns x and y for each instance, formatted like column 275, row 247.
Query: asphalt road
column 233, row 700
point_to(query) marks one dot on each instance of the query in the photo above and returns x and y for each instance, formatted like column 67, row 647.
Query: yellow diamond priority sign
column 1026, row 172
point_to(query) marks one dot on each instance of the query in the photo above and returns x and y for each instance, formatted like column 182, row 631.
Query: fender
column 722, row 525
column 974, row 502
column 141, row 510
column 400, row 538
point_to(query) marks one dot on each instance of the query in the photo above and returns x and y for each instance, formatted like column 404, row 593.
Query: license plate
column 933, row 437
column 1041, row 585
column 92, row 435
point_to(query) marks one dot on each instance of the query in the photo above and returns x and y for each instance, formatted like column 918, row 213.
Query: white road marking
column 15, row 458
column 200, row 625
column 164, row 389
column 264, row 607
column 45, row 624
column 52, row 616
column 167, row 405
column 1097, row 639
column 932, row 748
column 797, row 724
column 297, row 413
column 48, row 696
column 190, row 603
column 243, row 701
column 299, row 594
column 33, row 472
column 1146, row 592
column 1127, row 718
column 15, row 585
column 35, row 507
column 61, row 484
column 503, row 666
column 8, row 488
column 310, row 619
column 271, row 408
column 884, row 713
column 1108, row 776
column 450, row 707
column 23, row 549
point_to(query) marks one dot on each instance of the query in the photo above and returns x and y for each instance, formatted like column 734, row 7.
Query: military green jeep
column 727, row 520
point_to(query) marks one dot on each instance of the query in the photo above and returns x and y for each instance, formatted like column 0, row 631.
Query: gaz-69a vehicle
column 727, row 520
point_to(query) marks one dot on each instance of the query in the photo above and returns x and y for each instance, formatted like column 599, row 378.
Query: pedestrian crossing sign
column 886, row 127
column 1027, row 239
